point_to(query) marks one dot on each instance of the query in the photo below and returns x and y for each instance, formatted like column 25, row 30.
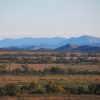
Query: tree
column 34, row 88
column 56, row 70
column 97, row 89
column 91, row 88
column 25, row 67
column 71, row 71
column 80, row 89
column 46, row 59
column 11, row 89
column 17, row 71
column 2, row 91
column 3, row 66
column 24, row 89
column 55, row 87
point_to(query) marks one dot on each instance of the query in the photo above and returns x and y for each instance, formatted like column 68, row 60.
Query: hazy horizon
column 49, row 37
column 49, row 18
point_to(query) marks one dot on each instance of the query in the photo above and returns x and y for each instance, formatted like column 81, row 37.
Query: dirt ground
column 90, row 97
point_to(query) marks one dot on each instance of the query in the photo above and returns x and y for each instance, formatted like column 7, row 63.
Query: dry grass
column 35, row 66
column 8, row 79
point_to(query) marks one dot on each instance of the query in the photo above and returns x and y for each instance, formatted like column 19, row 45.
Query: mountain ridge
column 52, row 43
column 82, row 40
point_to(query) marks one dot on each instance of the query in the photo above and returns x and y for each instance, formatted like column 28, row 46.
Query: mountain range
column 57, row 43
column 22, row 42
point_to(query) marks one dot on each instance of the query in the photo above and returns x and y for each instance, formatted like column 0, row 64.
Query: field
column 9, row 79
column 80, row 62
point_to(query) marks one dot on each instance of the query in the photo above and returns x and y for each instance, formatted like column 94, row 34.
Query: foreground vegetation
column 74, row 87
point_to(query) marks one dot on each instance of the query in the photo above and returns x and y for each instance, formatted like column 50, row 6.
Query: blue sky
column 49, row 18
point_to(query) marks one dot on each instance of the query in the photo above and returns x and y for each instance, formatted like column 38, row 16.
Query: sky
column 49, row 18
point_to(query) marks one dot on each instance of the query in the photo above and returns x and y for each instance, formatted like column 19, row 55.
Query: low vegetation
column 57, row 57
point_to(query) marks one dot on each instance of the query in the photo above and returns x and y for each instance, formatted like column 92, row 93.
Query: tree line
column 47, row 59
column 25, row 70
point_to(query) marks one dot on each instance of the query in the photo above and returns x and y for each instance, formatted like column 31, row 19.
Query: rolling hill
column 83, row 48
column 67, row 47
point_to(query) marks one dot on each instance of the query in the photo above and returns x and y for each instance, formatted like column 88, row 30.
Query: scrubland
column 55, row 75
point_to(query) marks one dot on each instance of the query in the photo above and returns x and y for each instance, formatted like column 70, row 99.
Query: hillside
column 83, row 48
column 67, row 47
column 87, row 48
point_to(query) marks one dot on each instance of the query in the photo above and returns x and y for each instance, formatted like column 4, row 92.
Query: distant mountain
column 82, row 40
column 31, row 41
column 95, row 44
column 31, row 48
column 35, row 48
column 47, row 46
column 52, row 43
column 73, row 47
column 67, row 47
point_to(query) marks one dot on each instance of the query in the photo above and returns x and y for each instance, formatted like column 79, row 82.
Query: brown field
column 26, row 52
column 84, row 78
column 82, row 97
column 35, row 66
